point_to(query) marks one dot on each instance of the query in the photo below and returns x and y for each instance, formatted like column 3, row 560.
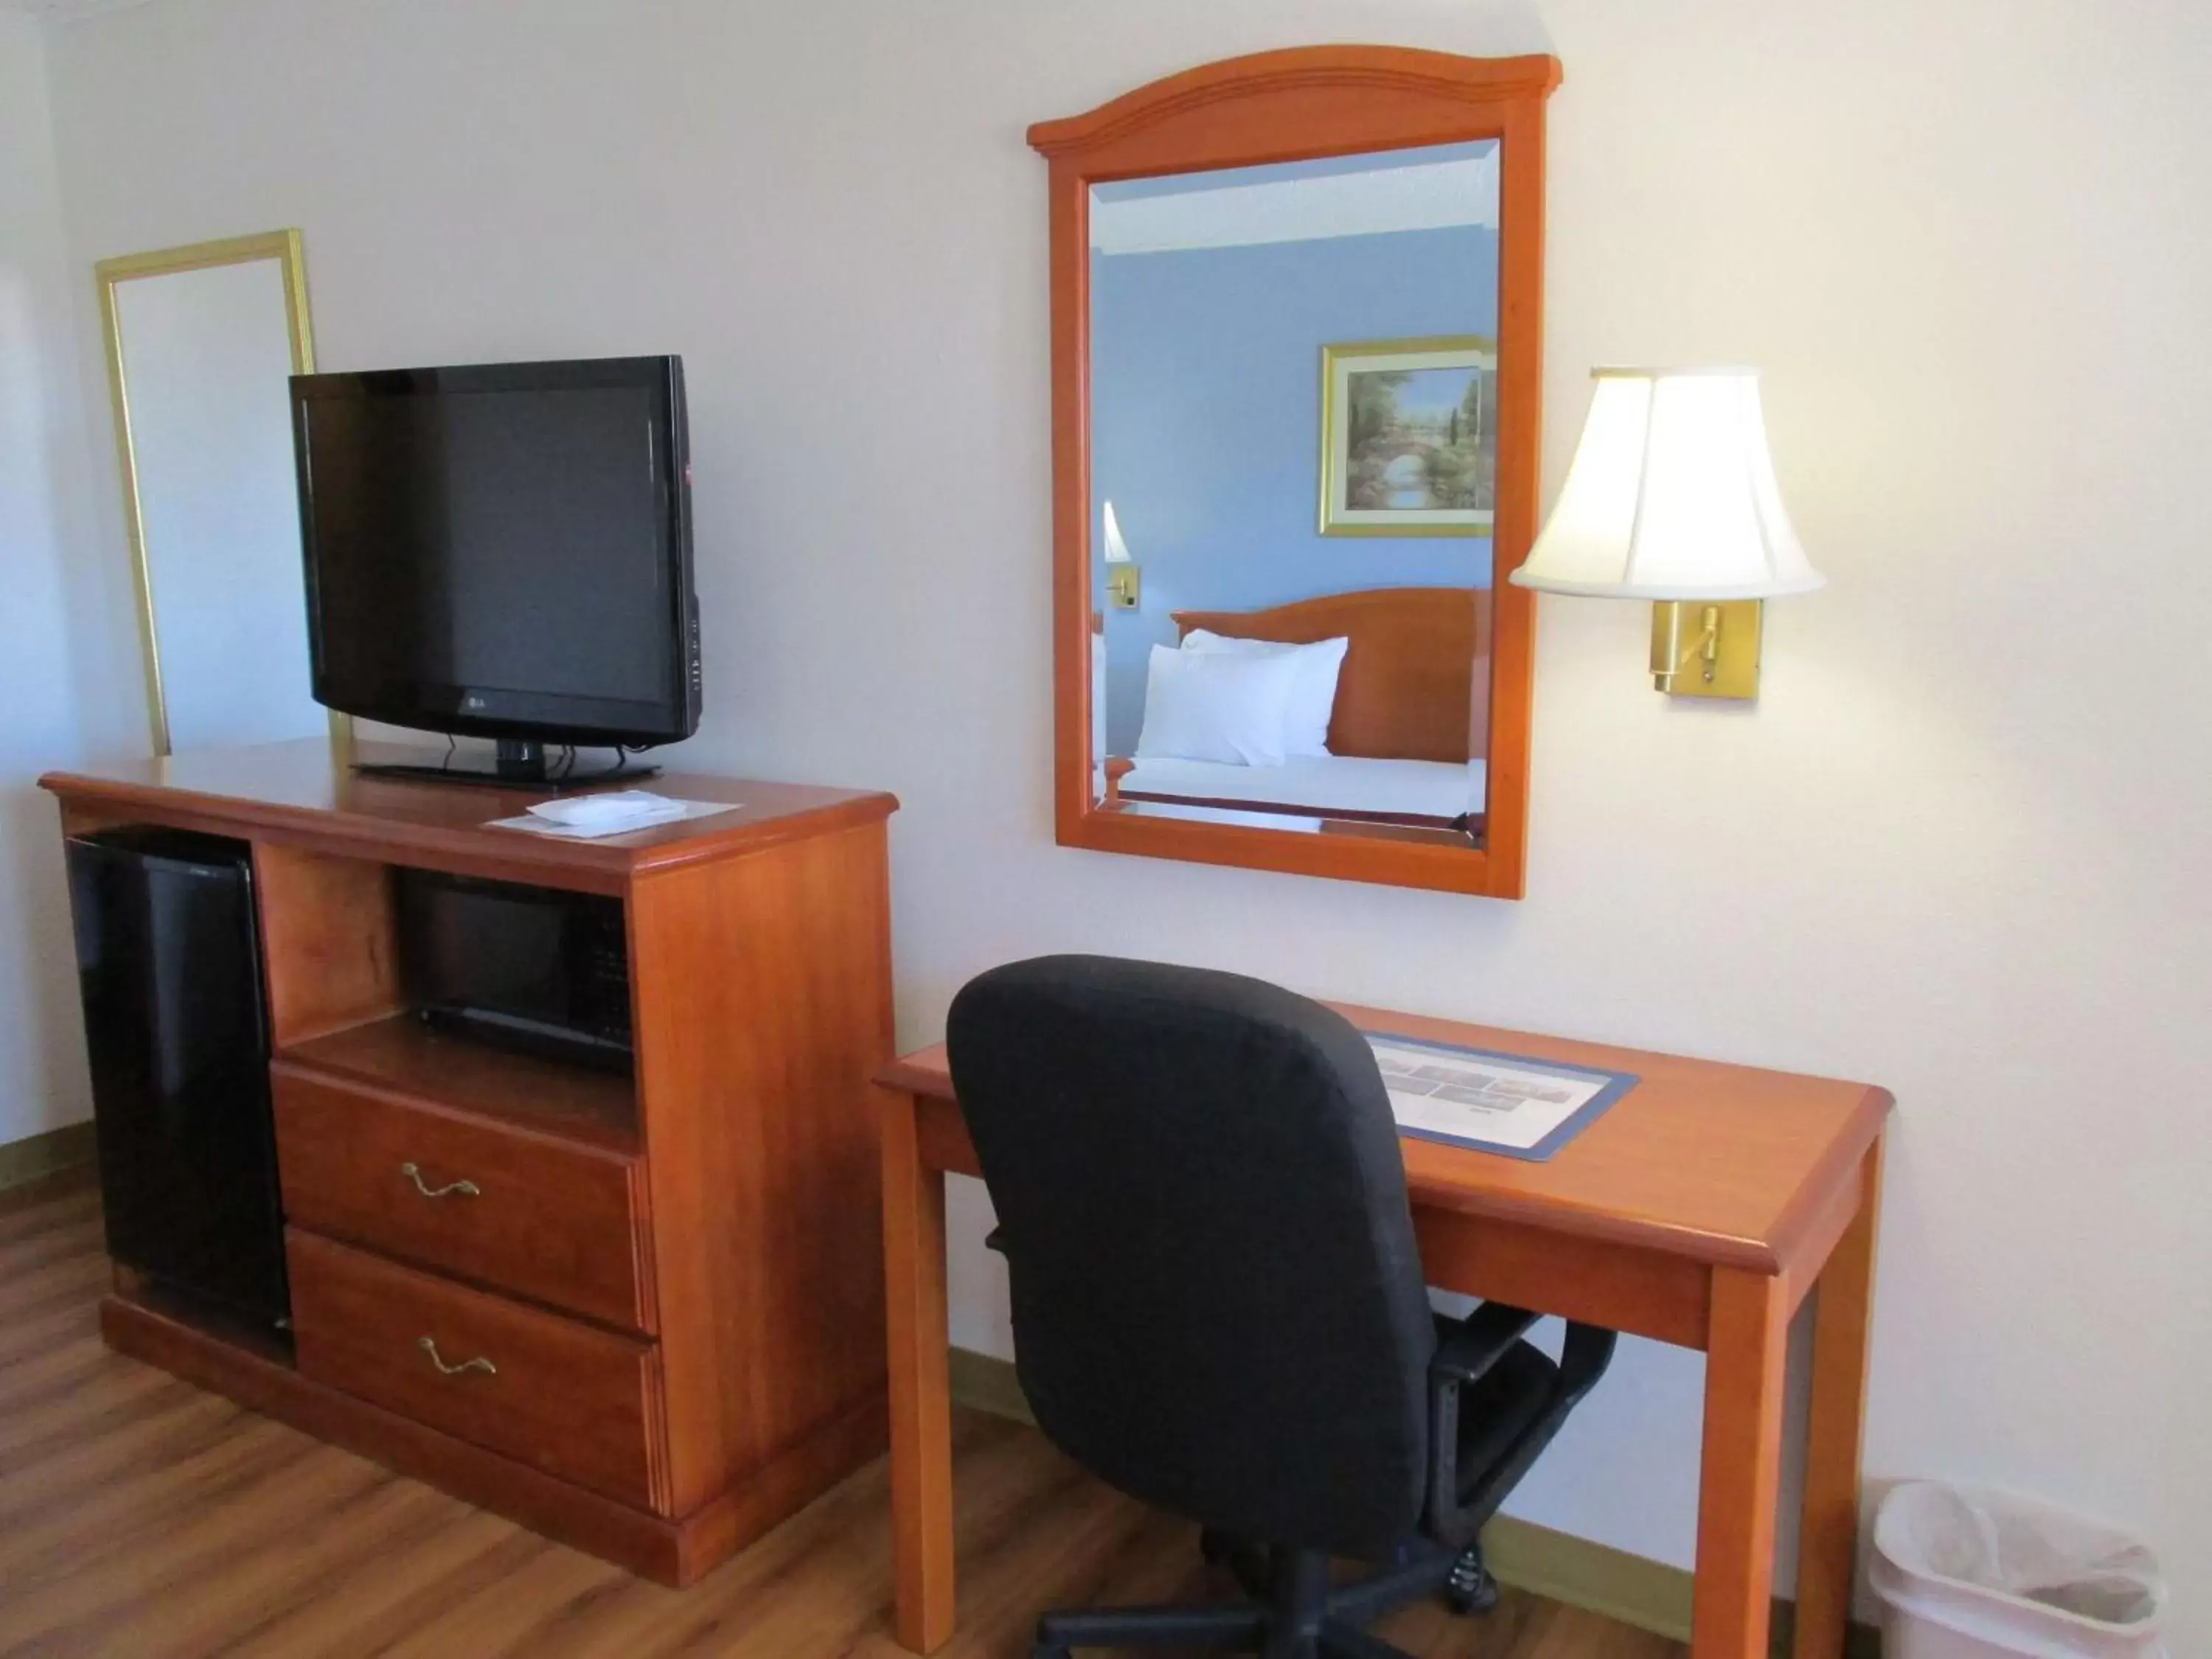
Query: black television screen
column 501, row 550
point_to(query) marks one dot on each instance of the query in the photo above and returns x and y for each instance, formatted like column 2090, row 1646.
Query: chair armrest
column 1583, row 1357
column 1456, row 1514
column 1474, row 1345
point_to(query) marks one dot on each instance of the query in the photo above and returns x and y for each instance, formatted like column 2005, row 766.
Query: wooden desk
column 1701, row 1210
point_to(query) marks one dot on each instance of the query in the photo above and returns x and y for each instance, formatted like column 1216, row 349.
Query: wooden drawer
column 579, row 1402
column 554, row 1220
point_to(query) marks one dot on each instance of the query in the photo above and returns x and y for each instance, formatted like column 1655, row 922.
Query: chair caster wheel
column 1469, row 1589
column 1213, row 1548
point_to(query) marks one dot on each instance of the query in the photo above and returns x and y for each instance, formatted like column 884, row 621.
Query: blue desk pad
column 1515, row 1105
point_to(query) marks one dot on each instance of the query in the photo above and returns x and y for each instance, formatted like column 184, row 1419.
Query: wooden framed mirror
column 1305, row 277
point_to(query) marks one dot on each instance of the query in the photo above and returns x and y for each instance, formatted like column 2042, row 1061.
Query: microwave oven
column 533, row 969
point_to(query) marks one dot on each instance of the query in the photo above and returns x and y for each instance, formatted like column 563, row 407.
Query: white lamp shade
column 1671, row 496
column 1117, row 550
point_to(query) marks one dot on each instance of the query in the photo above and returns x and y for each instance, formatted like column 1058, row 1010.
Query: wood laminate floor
column 140, row 1519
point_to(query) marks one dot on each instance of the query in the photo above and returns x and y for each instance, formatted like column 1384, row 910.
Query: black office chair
column 1218, row 1301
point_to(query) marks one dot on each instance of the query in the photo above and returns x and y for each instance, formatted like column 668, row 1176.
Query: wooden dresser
column 641, row 1313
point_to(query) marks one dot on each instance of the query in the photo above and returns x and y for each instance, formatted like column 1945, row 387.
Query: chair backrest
column 1217, row 1302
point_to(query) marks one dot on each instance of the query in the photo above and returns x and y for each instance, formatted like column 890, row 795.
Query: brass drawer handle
column 479, row 1363
column 451, row 1189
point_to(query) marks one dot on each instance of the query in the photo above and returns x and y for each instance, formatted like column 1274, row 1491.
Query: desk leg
column 1747, row 1354
column 921, row 1410
column 1828, row 1535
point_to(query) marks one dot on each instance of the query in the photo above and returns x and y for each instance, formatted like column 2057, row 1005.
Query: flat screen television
column 502, row 551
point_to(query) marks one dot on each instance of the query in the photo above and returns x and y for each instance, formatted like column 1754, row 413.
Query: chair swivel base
column 1468, row 1587
column 1295, row 1612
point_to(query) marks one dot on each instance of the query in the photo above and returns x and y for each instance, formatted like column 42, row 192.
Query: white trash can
column 1970, row 1573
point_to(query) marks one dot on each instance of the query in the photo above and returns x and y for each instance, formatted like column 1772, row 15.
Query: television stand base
column 511, row 766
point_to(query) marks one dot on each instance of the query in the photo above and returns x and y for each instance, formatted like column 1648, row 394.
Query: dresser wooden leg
column 920, row 1400
column 1746, row 1358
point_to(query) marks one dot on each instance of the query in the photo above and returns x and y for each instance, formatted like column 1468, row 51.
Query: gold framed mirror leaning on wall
column 202, row 341
column 1296, row 336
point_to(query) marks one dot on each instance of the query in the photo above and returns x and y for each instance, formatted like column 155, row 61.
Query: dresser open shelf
column 641, row 1312
column 400, row 1053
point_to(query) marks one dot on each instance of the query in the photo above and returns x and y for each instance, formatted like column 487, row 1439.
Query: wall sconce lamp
column 1672, row 498
column 1122, row 573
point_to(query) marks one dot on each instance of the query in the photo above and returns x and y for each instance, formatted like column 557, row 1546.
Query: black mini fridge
column 169, row 961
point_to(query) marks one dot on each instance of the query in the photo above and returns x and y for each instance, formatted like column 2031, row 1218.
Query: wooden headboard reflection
column 1416, row 679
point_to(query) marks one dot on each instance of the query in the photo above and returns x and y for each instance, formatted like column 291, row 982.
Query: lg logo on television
column 472, row 701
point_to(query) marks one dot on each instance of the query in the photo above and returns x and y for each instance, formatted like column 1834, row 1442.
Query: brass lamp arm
column 1669, row 655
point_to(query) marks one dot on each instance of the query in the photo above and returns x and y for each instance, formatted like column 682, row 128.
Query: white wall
column 1957, row 849
column 56, row 701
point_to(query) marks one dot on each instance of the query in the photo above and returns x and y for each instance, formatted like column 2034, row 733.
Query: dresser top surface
column 307, row 790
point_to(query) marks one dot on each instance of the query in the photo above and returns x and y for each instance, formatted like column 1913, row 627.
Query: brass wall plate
column 1735, row 670
column 1123, row 585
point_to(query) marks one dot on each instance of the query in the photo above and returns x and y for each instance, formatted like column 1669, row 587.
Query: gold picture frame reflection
column 1409, row 437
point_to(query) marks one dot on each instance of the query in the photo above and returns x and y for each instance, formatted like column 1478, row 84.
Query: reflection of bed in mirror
column 1406, row 735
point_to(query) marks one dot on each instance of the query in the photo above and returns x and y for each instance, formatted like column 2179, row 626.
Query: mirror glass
column 200, row 354
column 1293, row 462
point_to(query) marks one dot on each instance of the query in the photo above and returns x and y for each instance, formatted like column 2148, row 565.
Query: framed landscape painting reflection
column 1409, row 437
